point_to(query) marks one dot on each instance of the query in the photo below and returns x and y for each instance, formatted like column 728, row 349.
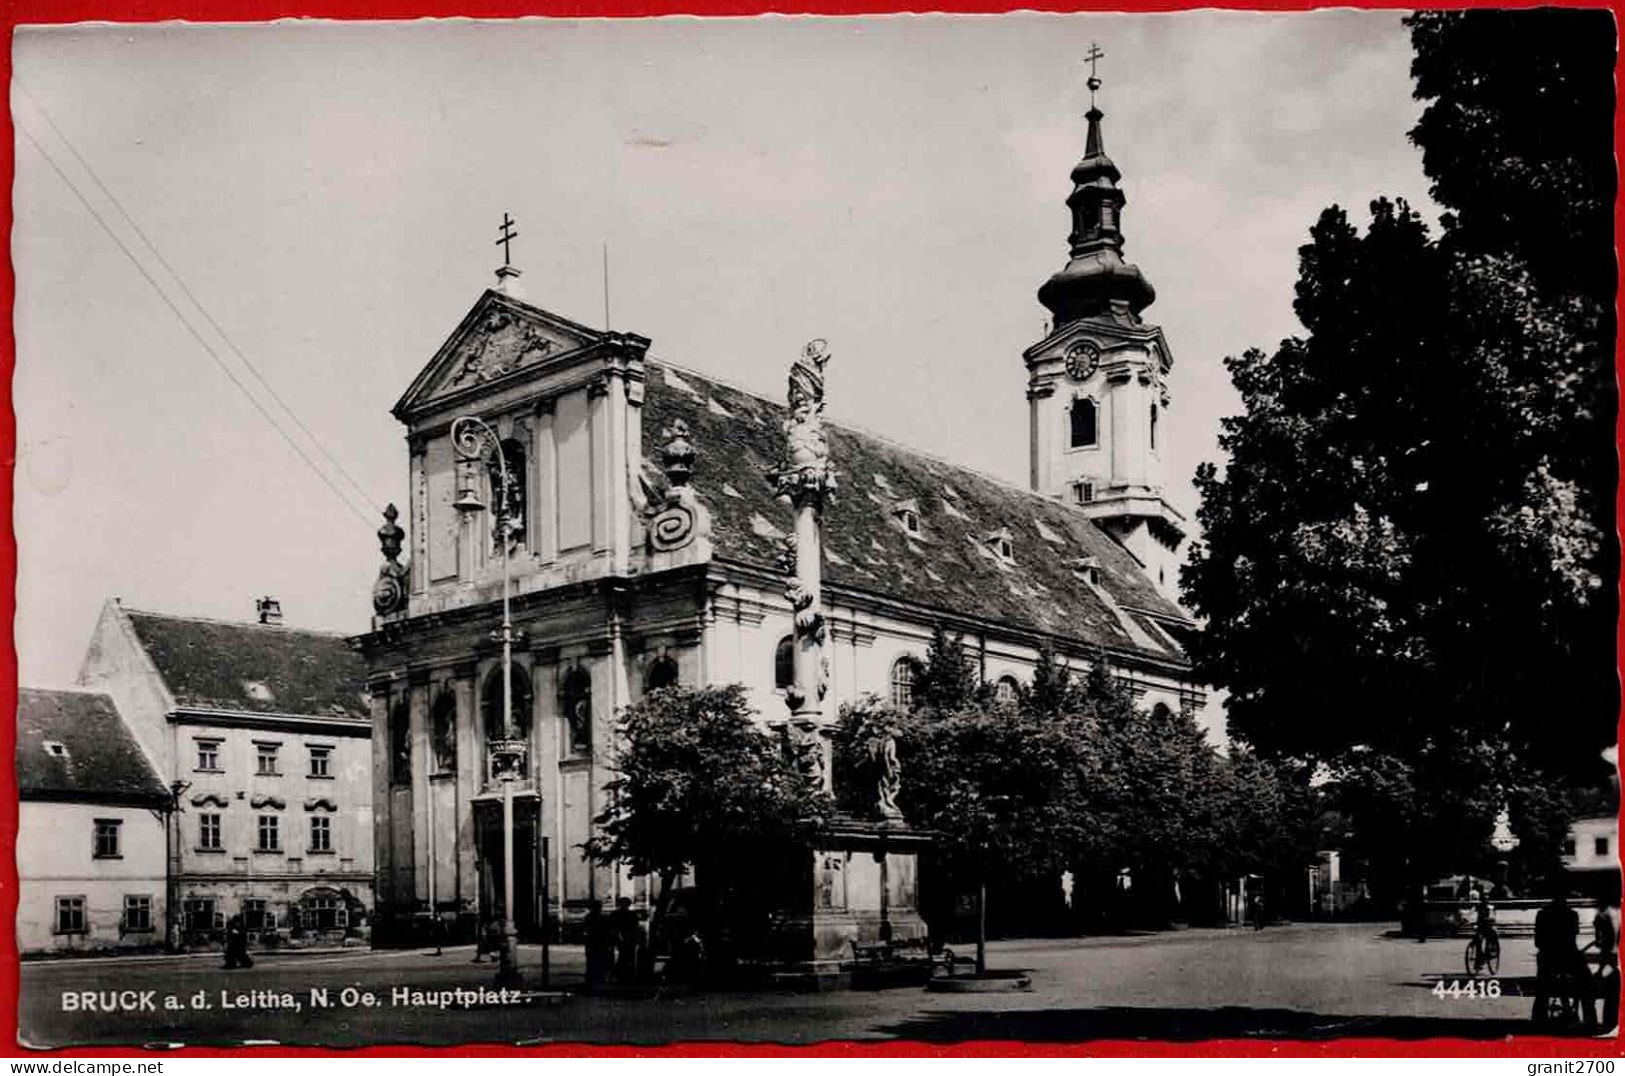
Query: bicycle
column 1563, row 997
column 1483, row 954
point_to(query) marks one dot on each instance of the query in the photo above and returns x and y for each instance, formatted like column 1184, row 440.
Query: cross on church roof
column 508, row 236
column 1093, row 56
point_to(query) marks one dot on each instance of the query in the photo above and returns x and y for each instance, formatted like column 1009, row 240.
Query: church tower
column 1097, row 384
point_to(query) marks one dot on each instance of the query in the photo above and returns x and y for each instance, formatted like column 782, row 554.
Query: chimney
column 269, row 610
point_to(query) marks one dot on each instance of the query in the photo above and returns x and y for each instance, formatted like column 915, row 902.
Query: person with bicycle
column 1486, row 943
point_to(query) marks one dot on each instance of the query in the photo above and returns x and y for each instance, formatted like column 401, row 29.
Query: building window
column 208, row 756
column 1153, row 427
column 137, row 913
column 265, row 759
column 1569, row 848
column 255, row 915
column 321, row 833
column 321, row 761
column 107, row 838
column 575, row 703
column 911, row 520
column 1083, row 492
column 511, row 499
column 1601, row 846
column 1006, row 691
column 1082, row 412
column 444, row 724
column 325, row 913
column 662, row 674
column 197, row 914
column 270, row 834
column 400, row 744
column 208, row 832
column 903, row 672
column 784, row 663
column 70, row 915
column 55, row 748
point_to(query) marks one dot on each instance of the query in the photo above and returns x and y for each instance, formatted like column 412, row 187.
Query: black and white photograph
column 1027, row 528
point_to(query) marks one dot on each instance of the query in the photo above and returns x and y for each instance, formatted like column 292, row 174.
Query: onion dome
column 1097, row 281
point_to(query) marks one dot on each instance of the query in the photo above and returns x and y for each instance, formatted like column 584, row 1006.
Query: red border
column 67, row 11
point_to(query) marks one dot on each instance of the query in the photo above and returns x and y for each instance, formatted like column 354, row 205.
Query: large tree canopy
column 1407, row 566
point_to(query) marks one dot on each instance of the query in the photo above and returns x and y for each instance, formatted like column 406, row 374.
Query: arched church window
column 443, row 725
column 904, row 671
column 512, row 497
column 491, row 705
column 400, row 743
column 1153, row 427
column 663, row 673
column 784, row 663
column 575, row 704
column 1084, row 434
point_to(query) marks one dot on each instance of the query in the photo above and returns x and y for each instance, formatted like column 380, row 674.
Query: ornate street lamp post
column 474, row 439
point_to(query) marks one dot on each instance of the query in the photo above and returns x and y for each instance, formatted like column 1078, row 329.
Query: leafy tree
column 700, row 786
column 1407, row 565
column 947, row 679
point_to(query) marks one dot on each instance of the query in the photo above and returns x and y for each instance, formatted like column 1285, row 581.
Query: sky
column 330, row 194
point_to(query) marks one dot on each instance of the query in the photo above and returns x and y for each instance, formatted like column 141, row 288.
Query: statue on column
column 804, row 477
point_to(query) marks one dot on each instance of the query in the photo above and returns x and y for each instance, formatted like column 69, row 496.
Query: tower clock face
column 1081, row 359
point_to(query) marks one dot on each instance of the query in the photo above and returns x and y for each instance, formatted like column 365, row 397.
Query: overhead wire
column 181, row 316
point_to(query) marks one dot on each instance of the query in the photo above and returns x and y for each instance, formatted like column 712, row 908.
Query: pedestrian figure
column 1560, row 970
column 600, row 947
column 628, row 935
column 1605, row 935
column 237, row 944
column 1255, row 910
column 483, row 941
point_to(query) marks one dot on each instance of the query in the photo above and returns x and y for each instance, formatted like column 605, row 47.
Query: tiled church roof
column 73, row 746
column 951, row 564
column 255, row 668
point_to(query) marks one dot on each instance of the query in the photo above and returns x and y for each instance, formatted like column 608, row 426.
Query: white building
column 91, row 823
column 264, row 731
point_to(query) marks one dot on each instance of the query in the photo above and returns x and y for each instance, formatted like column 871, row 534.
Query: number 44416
column 1457, row 989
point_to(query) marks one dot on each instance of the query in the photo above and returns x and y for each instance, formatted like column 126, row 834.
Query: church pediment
column 499, row 338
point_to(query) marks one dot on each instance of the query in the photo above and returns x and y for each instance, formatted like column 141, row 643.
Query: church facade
column 648, row 547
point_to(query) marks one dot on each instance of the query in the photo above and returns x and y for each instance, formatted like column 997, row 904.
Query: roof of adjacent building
column 74, row 746
column 952, row 564
column 253, row 668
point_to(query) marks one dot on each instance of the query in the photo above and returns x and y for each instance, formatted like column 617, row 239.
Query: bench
column 886, row 952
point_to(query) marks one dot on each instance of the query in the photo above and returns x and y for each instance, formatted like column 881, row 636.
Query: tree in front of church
column 1406, row 566
column 702, row 791
column 946, row 679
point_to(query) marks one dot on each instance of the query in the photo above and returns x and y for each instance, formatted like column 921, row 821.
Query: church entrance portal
column 530, row 866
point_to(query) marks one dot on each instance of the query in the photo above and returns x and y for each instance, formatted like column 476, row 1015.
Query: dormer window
column 907, row 514
column 1087, row 569
column 1002, row 544
column 56, row 749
